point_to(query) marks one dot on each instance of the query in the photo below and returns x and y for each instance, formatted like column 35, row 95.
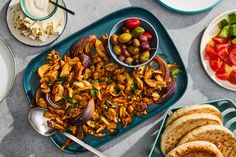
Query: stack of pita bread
column 197, row 131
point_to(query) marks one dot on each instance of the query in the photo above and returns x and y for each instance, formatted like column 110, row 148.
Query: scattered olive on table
column 132, row 44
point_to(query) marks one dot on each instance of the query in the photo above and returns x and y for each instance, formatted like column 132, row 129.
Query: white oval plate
column 7, row 69
column 14, row 7
column 190, row 6
column 210, row 32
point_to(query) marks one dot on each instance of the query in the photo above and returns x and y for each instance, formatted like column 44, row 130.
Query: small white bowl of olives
column 133, row 42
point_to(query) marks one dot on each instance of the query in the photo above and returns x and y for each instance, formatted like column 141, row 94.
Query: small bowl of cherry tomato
column 133, row 42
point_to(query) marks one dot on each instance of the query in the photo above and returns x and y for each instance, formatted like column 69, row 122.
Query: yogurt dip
column 39, row 8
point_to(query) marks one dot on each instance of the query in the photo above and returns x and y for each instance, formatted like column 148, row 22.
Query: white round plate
column 14, row 7
column 189, row 6
column 210, row 32
column 7, row 69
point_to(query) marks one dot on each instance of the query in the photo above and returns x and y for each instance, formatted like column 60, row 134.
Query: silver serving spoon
column 39, row 123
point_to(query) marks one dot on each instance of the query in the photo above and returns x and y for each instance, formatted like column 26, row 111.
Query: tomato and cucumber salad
column 220, row 52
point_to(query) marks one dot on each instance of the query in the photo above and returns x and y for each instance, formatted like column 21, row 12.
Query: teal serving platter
column 167, row 50
column 227, row 108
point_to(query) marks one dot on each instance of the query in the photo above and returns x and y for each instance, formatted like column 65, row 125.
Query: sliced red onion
column 57, row 105
column 38, row 94
column 83, row 45
column 86, row 114
column 171, row 90
column 85, row 59
column 164, row 67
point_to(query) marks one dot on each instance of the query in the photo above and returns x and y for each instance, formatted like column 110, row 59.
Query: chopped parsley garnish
column 61, row 79
column 175, row 71
column 69, row 100
column 94, row 122
column 110, row 105
column 109, row 81
column 96, row 81
column 117, row 89
column 50, row 83
column 94, row 92
column 72, row 106
column 134, row 86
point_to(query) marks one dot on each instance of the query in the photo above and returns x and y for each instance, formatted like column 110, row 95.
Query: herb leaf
column 61, row 79
column 69, row 100
column 134, row 86
column 50, row 83
column 110, row 105
column 109, row 81
column 175, row 71
column 72, row 106
column 94, row 92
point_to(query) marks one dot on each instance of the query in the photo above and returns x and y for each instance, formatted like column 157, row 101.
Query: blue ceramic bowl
column 154, row 42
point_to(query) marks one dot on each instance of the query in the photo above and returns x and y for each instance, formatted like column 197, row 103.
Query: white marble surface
column 18, row 139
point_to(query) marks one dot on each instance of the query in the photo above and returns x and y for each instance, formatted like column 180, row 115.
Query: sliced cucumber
column 232, row 30
column 232, row 18
column 223, row 23
column 225, row 32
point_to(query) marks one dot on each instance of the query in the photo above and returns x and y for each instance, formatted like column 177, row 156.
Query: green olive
column 137, row 32
column 136, row 42
column 114, row 39
column 133, row 50
column 124, row 38
column 129, row 60
column 117, row 50
column 144, row 56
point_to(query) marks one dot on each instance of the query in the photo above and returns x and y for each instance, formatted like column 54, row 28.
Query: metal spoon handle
column 67, row 10
column 91, row 149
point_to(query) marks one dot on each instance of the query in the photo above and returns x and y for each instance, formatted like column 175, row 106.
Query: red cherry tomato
column 216, row 64
column 219, row 40
column 210, row 53
column 224, row 54
column 148, row 35
column 221, row 73
column 232, row 56
column 232, row 77
column 218, row 47
column 132, row 23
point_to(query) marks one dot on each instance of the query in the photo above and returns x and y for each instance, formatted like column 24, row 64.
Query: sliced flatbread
column 193, row 109
column 183, row 125
column 195, row 149
column 223, row 138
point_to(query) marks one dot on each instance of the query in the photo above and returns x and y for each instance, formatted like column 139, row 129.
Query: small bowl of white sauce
column 38, row 9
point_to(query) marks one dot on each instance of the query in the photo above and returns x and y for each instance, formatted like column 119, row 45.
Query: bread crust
column 180, row 127
column 193, row 109
column 222, row 137
column 195, row 149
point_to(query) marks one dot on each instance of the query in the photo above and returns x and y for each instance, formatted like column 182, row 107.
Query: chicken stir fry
column 87, row 93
